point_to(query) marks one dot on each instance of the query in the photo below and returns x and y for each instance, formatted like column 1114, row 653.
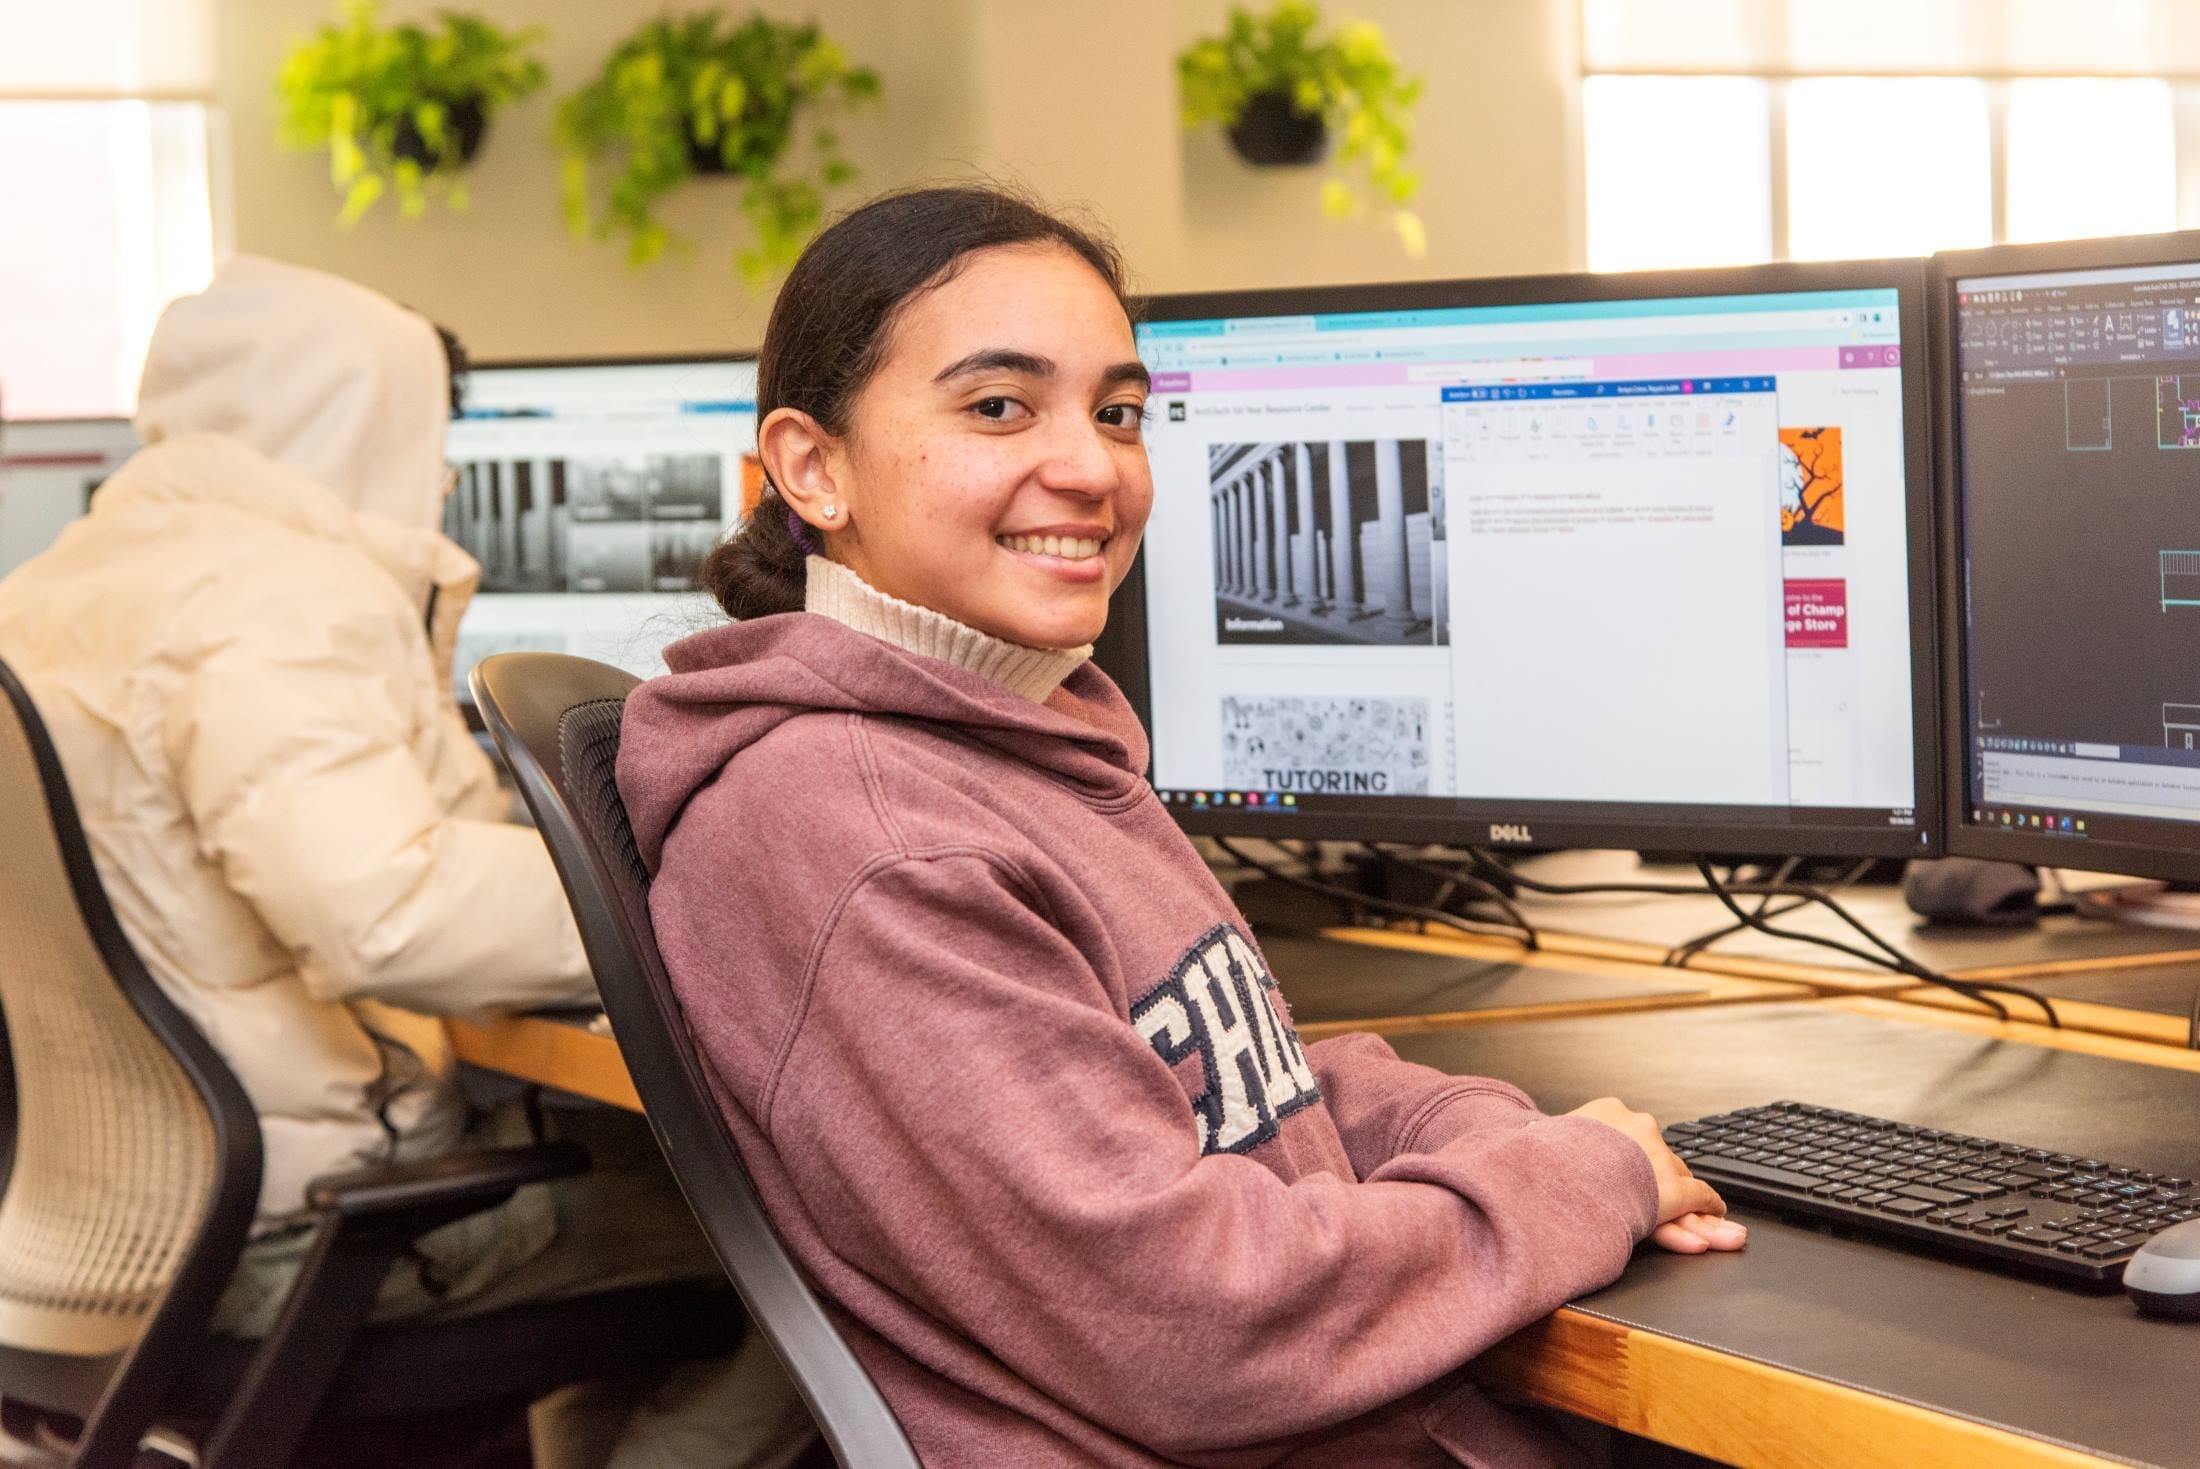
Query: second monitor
column 1635, row 561
column 590, row 492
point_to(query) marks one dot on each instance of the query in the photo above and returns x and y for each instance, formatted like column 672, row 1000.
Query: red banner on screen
column 1818, row 613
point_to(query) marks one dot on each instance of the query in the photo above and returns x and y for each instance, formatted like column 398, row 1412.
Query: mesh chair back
column 137, row 1157
column 556, row 720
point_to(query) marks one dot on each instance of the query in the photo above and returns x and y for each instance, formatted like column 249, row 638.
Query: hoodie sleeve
column 1385, row 1107
column 290, row 744
column 979, row 1131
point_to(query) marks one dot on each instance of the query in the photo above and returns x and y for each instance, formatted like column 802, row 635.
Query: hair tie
column 800, row 530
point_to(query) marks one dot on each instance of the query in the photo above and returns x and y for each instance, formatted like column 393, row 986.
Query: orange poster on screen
column 752, row 484
column 1811, row 511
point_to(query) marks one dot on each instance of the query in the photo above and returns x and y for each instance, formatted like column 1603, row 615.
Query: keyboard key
column 2110, row 1248
column 1928, row 1194
column 2037, row 1236
column 1971, row 1189
column 1909, row 1208
column 1754, row 1172
column 1997, row 1226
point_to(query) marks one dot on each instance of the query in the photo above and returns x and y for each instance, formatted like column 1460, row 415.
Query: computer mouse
column 1966, row 890
column 2164, row 1277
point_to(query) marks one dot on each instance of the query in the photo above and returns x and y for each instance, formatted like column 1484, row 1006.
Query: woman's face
column 995, row 469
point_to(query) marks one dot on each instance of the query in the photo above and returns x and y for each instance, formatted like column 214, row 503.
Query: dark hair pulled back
column 829, row 331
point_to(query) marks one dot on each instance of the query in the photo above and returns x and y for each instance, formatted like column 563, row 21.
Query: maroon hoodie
column 1021, row 1096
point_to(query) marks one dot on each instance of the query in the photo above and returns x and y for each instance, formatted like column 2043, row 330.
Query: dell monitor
column 1573, row 561
column 48, row 470
column 2072, row 473
column 590, row 492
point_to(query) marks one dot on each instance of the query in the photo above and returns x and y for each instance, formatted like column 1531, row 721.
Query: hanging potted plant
column 403, row 106
column 1282, row 91
column 700, row 96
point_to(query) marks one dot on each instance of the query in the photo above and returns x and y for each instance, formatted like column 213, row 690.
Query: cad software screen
column 1587, row 559
column 2078, row 430
column 590, row 494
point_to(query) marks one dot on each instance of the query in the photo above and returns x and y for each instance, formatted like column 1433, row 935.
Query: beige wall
column 1074, row 100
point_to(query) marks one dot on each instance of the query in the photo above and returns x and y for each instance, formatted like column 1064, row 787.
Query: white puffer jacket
column 244, row 656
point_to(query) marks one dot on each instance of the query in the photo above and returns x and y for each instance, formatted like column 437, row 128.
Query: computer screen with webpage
column 2077, row 472
column 590, row 493
column 48, row 470
column 1551, row 571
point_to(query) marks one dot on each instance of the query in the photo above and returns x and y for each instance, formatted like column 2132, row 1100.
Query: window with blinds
column 108, row 146
column 1729, row 131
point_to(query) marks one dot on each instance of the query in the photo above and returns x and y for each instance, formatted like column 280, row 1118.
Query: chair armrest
column 450, row 1186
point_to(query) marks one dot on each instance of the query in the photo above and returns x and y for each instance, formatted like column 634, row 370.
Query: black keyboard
column 2037, row 1210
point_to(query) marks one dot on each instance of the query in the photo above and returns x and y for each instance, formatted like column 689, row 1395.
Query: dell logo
column 1511, row 834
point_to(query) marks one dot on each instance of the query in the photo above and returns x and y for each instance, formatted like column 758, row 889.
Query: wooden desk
column 2126, row 998
column 577, row 1054
column 1661, row 1387
column 1746, row 1413
column 1642, row 927
column 1709, row 989
column 573, row 1053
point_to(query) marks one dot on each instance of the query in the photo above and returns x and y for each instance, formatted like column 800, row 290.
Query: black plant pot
column 464, row 120
column 705, row 158
column 1272, row 133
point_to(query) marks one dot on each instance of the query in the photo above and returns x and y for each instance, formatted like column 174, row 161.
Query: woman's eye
column 1000, row 410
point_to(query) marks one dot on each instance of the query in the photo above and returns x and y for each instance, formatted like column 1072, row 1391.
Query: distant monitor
column 48, row 470
column 590, row 492
column 2074, row 472
column 1571, row 561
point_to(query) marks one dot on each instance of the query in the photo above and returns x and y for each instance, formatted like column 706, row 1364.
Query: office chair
column 136, row 1174
column 556, row 719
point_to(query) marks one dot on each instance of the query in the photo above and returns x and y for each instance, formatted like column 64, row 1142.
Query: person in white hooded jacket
column 243, row 653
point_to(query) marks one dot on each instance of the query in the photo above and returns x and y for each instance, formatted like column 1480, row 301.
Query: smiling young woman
column 1008, row 1069
column 990, row 466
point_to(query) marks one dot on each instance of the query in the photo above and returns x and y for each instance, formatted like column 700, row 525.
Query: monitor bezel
column 1121, row 650
column 2088, row 853
column 655, row 359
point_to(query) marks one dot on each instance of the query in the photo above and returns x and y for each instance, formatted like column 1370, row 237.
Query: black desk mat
column 2163, row 989
column 1334, row 979
column 2054, row 1362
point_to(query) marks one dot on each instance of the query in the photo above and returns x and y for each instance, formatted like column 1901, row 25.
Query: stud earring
column 830, row 512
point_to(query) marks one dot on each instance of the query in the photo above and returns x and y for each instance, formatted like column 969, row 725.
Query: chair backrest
column 556, row 719
column 137, row 1155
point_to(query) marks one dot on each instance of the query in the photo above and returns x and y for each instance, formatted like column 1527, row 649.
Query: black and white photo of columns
column 1331, row 541
column 602, row 523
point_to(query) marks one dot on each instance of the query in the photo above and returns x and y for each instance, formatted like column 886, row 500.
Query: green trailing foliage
column 390, row 103
column 679, row 96
column 1347, row 77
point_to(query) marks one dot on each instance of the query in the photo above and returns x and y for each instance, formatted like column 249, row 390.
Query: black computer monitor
column 1567, row 561
column 590, row 491
column 2071, row 471
column 48, row 470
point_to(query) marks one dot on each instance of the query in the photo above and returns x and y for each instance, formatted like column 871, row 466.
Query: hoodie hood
column 313, row 372
column 732, row 686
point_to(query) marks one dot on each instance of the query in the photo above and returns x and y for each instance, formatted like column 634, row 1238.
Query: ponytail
column 761, row 569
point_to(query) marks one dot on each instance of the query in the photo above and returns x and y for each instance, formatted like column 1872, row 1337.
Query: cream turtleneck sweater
column 836, row 592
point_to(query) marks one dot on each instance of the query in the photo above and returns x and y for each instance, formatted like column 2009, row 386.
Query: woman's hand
column 1691, row 1216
